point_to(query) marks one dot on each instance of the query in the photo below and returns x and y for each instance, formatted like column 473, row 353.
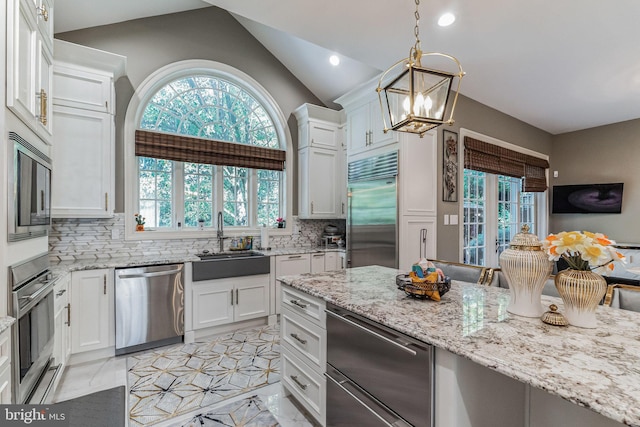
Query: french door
column 494, row 210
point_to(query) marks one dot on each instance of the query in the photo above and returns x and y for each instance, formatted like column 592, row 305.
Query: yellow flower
column 582, row 250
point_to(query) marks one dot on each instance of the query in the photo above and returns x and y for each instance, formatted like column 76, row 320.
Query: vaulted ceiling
column 557, row 65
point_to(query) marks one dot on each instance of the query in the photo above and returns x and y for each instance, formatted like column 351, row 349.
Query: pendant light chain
column 417, row 49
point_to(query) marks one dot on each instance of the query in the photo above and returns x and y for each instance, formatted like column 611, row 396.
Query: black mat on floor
column 102, row 409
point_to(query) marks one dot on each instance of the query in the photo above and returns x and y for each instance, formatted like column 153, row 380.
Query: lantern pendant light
column 416, row 100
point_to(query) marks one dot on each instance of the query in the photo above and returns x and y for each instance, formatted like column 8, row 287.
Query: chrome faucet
column 220, row 231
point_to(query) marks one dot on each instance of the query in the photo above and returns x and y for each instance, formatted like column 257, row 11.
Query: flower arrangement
column 280, row 222
column 139, row 219
column 583, row 251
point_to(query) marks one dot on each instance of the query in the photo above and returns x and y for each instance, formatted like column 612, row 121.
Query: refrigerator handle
column 349, row 230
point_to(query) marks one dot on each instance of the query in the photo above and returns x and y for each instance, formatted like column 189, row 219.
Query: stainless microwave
column 29, row 191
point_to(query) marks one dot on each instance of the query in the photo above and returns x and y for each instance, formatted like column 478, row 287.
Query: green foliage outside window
column 212, row 108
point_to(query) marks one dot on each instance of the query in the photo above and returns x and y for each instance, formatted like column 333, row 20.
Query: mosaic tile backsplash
column 81, row 239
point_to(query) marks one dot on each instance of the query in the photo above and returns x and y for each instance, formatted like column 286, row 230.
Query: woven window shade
column 485, row 157
column 209, row 151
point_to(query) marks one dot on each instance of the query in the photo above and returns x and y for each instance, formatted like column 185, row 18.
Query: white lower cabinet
column 62, row 321
column 92, row 310
column 221, row 301
column 304, row 350
column 5, row 367
column 317, row 263
column 418, row 239
column 334, row 261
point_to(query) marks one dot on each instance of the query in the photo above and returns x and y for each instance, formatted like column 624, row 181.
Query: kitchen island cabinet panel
column 491, row 364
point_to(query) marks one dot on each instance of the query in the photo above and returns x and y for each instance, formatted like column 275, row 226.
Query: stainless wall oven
column 29, row 191
column 376, row 376
column 33, row 332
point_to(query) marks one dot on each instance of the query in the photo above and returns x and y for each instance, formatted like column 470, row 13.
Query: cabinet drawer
column 307, row 306
column 307, row 338
column 306, row 385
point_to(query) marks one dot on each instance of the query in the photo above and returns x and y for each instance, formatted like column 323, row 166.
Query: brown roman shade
column 485, row 157
column 199, row 150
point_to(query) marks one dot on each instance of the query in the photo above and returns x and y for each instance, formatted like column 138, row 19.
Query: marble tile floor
column 82, row 379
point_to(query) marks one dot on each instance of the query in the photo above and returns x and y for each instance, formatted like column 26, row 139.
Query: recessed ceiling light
column 446, row 19
column 334, row 60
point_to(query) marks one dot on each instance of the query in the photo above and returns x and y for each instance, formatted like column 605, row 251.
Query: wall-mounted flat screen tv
column 587, row 198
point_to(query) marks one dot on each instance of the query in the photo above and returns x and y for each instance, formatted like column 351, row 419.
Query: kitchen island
column 594, row 368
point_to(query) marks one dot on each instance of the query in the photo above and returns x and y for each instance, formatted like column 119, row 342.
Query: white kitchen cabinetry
column 5, row 367
column 365, row 130
column 318, row 186
column 334, row 261
column 29, row 63
column 287, row 265
column 83, row 162
column 417, row 237
column 62, row 321
column 221, row 301
column 320, row 163
column 304, row 350
column 417, row 199
column 83, row 109
column 317, row 262
column 92, row 310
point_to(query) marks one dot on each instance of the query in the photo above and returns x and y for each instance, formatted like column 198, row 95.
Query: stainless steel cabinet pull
column 342, row 208
column 297, row 338
column 311, row 207
column 318, row 255
column 237, row 297
column 294, row 378
column 105, row 284
column 369, row 331
column 68, row 322
column 297, row 303
column 295, row 256
column 231, row 296
column 60, row 293
column 154, row 274
column 106, row 202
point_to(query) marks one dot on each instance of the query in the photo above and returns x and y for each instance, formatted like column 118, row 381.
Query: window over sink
column 208, row 101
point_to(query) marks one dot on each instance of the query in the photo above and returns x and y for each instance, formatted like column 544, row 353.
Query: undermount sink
column 229, row 264
column 228, row 255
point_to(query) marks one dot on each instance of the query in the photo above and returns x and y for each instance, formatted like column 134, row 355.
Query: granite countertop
column 596, row 368
column 5, row 323
column 62, row 267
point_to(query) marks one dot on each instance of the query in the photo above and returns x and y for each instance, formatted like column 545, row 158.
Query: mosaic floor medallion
column 249, row 412
column 179, row 379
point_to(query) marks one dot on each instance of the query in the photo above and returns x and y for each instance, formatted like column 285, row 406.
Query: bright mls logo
column 38, row 415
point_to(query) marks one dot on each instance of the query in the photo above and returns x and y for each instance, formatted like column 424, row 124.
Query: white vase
column 526, row 268
column 581, row 292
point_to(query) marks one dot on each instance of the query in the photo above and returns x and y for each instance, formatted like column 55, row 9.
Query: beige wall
column 479, row 118
column 211, row 34
column 600, row 155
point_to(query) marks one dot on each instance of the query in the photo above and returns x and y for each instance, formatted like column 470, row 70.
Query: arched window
column 219, row 104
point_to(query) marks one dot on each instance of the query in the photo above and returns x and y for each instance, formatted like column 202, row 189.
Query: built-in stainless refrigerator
column 372, row 216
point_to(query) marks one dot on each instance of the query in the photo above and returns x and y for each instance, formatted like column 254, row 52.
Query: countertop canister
column 526, row 268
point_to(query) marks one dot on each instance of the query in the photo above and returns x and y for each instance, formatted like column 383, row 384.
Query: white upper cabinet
column 320, row 163
column 29, row 63
column 365, row 130
column 318, row 127
column 84, row 131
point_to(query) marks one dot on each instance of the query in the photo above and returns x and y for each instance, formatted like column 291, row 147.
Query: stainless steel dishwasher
column 376, row 376
column 149, row 307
